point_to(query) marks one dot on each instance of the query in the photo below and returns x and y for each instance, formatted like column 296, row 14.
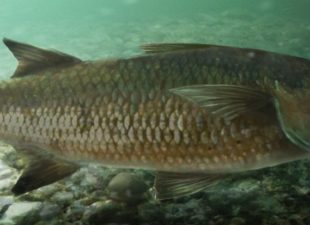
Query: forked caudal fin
column 32, row 59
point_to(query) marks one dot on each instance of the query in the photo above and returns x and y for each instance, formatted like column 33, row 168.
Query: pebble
column 89, row 181
column 127, row 187
column 94, row 208
column 151, row 211
column 75, row 212
column 22, row 213
column 64, row 198
column 8, row 176
column 237, row 221
column 111, row 213
column 5, row 202
column 49, row 211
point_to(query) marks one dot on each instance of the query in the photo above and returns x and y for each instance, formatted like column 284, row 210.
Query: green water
column 115, row 28
column 95, row 29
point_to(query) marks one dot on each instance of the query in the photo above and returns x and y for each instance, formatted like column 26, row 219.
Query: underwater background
column 98, row 29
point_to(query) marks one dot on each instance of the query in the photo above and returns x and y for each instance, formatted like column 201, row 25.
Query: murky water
column 113, row 28
column 98, row 29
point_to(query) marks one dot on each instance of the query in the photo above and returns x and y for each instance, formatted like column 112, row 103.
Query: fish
column 192, row 113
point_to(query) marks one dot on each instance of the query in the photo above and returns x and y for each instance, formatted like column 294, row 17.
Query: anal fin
column 173, row 185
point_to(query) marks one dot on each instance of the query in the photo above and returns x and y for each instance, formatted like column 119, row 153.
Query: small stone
column 3, row 222
column 93, row 208
column 20, row 164
column 127, row 188
column 88, row 200
column 50, row 222
column 5, row 202
column 75, row 212
column 49, row 211
column 63, row 197
column 89, row 180
column 7, row 176
column 22, row 213
column 151, row 211
column 237, row 221
column 111, row 213
column 48, row 190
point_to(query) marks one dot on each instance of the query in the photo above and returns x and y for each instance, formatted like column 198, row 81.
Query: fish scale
column 126, row 126
column 133, row 113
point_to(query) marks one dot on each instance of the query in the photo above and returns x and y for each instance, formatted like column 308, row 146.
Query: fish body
column 172, row 110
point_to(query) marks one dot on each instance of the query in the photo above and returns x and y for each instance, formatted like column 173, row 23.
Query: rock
column 11, row 157
column 193, row 210
column 47, row 191
column 237, row 221
column 268, row 204
column 5, row 202
column 88, row 200
column 50, row 222
column 64, row 198
column 89, row 180
column 151, row 211
column 75, row 212
column 111, row 213
column 49, row 211
column 7, row 177
column 44, row 193
column 94, row 208
column 22, row 213
column 127, row 188
column 244, row 189
column 7, row 222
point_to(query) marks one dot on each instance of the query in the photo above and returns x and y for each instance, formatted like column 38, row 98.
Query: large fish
column 192, row 112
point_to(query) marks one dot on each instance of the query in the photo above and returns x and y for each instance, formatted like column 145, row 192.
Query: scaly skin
column 121, row 113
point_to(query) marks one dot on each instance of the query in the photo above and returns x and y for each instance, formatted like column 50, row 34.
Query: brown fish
column 193, row 112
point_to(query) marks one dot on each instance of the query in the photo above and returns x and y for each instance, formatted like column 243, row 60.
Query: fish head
column 293, row 111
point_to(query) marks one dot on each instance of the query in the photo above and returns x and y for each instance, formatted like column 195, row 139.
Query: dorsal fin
column 169, row 47
column 32, row 59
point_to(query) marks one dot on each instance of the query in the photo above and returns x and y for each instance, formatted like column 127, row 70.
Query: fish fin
column 41, row 170
column 32, row 59
column 39, row 174
column 227, row 101
column 170, row 47
column 173, row 185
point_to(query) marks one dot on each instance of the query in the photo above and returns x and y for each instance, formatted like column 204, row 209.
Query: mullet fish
column 194, row 113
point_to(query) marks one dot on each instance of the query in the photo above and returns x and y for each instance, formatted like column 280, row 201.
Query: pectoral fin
column 173, row 185
column 41, row 173
column 227, row 101
column 42, row 169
